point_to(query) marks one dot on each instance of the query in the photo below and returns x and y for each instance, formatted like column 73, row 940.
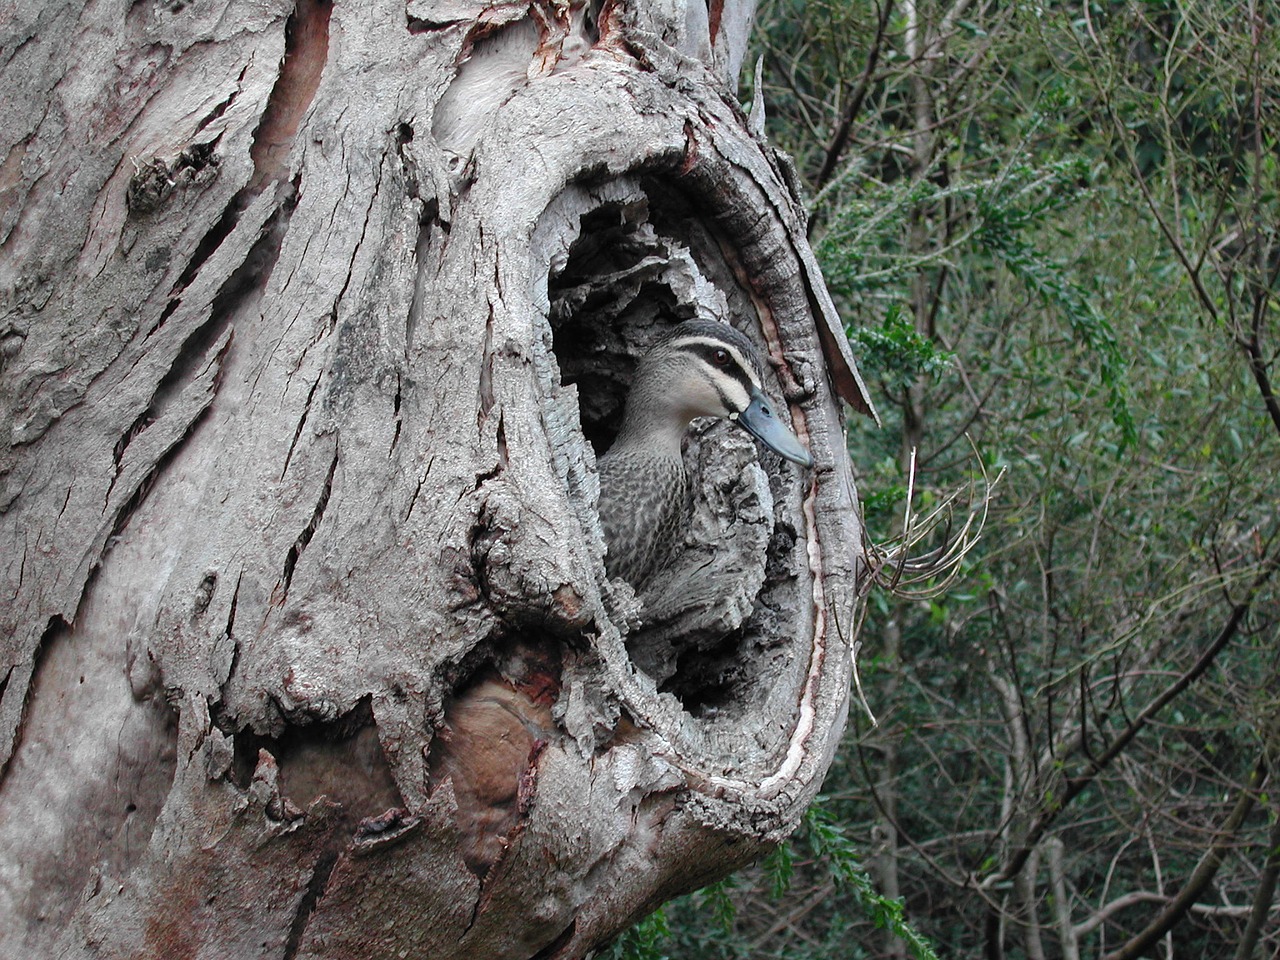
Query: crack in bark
column 310, row 900
column 235, row 600
column 309, row 531
column 220, row 108
column 395, row 411
column 484, row 399
column 306, row 411
column 146, row 483
column 162, row 461
column 229, row 630
column 500, row 441
column 21, row 45
column 165, row 314
column 418, row 25
column 117, row 452
column 430, row 216
column 248, row 278
column 418, row 489
column 355, row 251
column 550, row 951
column 497, row 268
column 306, row 50
column 204, row 250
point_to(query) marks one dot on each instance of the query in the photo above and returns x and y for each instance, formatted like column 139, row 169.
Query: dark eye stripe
column 741, row 355
column 733, row 368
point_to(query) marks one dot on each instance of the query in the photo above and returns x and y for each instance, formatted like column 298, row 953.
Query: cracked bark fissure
column 307, row 312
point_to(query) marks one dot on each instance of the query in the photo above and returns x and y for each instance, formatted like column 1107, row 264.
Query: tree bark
column 312, row 316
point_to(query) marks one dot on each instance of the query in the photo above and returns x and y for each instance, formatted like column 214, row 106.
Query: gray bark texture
column 313, row 318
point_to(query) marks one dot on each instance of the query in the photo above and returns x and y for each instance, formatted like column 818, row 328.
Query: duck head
column 705, row 369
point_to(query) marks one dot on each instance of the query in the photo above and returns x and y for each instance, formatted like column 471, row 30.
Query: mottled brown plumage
column 701, row 369
column 642, row 501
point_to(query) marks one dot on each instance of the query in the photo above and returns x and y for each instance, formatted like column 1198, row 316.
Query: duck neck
column 653, row 423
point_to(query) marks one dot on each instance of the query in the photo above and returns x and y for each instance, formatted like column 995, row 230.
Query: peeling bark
column 312, row 321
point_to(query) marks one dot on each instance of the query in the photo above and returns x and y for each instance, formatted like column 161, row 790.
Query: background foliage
column 1053, row 228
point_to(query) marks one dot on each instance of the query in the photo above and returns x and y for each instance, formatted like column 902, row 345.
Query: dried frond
column 931, row 573
column 928, row 574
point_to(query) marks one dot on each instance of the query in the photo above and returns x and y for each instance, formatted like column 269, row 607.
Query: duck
column 701, row 368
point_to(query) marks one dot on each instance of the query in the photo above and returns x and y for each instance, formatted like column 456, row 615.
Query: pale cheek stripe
column 733, row 390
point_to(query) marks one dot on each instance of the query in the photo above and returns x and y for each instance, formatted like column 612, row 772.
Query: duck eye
column 720, row 358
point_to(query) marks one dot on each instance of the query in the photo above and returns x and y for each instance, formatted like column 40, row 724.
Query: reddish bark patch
column 715, row 9
column 170, row 932
column 493, row 734
column 13, row 188
column 306, row 50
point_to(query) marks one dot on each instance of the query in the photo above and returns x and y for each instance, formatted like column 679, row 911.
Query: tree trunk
column 311, row 318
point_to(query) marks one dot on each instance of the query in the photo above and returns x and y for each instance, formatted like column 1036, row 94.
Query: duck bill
column 761, row 421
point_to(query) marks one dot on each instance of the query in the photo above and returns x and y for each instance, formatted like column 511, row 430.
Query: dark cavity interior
column 608, row 304
column 637, row 266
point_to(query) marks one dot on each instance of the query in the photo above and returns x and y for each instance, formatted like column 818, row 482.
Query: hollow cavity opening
column 614, row 297
column 340, row 759
column 714, row 628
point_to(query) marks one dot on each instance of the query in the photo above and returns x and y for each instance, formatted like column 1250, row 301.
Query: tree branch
column 1262, row 898
column 1067, row 939
column 1201, row 876
column 840, row 139
column 1075, row 785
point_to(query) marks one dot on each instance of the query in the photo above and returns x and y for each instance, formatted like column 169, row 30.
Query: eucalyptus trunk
column 313, row 320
